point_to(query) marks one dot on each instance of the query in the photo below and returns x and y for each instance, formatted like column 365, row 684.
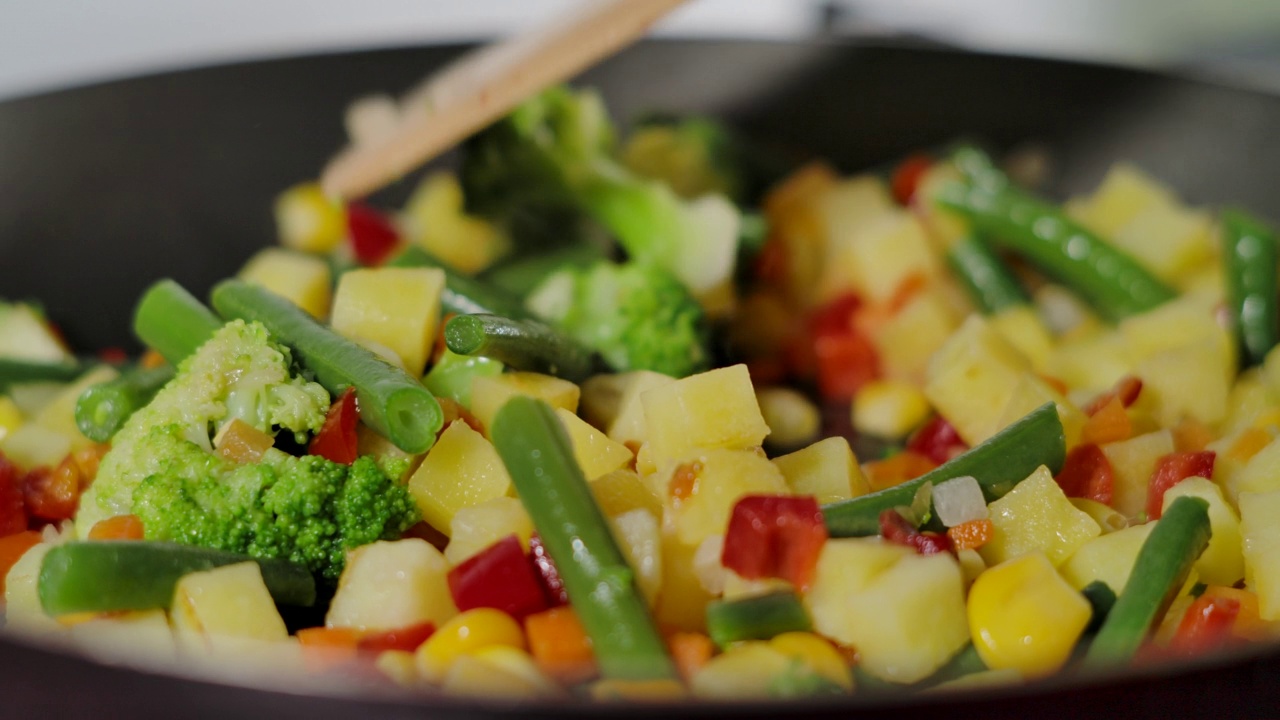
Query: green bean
column 1101, row 599
column 1179, row 537
column 463, row 295
column 103, row 409
column 986, row 278
column 452, row 374
column 172, row 321
column 391, row 402
column 756, row 618
column 1004, row 460
column 1251, row 256
column 15, row 371
column 536, row 451
column 522, row 344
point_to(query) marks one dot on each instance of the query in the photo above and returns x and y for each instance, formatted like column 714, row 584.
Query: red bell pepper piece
column 548, row 576
column 1173, row 469
column 13, row 512
column 835, row 317
column 337, row 439
column 1206, row 625
column 906, row 177
column 1087, row 473
column 775, row 536
column 845, row 363
column 501, row 577
column 937, row 440
column 373, row 237
column 896, row 529
column 53, row 494
column 406, row 639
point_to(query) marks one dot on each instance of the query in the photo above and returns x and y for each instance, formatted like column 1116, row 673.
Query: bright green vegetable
column 14, row 371
column 693, row 155
column 240, row 373
column 103, row 409
column 600, row 584
column 756, row 618
column 966, row 662
column 106, row 576
column 998, row 464
column 522, row 344
column 519, row 276
column 463, row 295
column 1101, row 599
column 391, row 402
column 1166, row 557
column 1251, row 256
column 799, row 681
column 637, row 317
column 172, row 321
column 452, row 374
column 989, row 283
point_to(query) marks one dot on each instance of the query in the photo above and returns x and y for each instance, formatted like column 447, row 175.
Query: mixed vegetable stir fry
column 580, row 421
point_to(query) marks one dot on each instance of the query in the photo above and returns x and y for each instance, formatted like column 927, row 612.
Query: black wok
column 105, row 188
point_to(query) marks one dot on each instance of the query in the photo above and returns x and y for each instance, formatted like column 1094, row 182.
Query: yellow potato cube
column 461, row 470
column 1261, row 532
column 490, row 393
column 1030, row 392
column 621, row 491
column 59, row 415
column 714, row 409
column 720, row 479
column 231, row 600
column 1170, row 240
column 10, row 416
column 1188, row 381
column 389, row 585
column 304, row 280
column 1132, row 462
column 975, row 362
column 1024, row 616
column 1260, row 473
column 138, row 638
column 889, row 408
column 1108, row 558
column 477, row 527
column 24, row 334
column 1092, row 363
column 595, row 452
column 1022, row 327
column 1036, row 517
column 889, row 249
column 23, row 613
column 911, row 336
column 436, row 220
column 32, row 445
column 613, row 402
column 1124, row 192
column 827, row 469
column 309, row 220
column 398, row 308
column 1222, row 562
column 640, row 539
column 682, row 603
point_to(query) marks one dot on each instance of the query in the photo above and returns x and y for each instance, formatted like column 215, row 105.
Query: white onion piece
column 706, row 564
column 959, row 500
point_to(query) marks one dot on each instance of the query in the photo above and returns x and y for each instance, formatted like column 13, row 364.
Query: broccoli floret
column 636, row 316
column 693, row 155
column 239, row 373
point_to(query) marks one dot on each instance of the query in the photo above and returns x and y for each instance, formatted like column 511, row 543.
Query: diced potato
column 1221, row 563
column 1036, row 516
column 474, row 676
column 714, row 409
column 742, row 672
column 10, row 416
column 720, row 478
column 1261, row 532
column 1171, row 241
column 1022, row 326
column 622, row 491
column 613, row 402
column 298, row 277
column 640, row 539
column 827, row 469
column 388, row 585
column 489, row 394
column 1189, row 381
column 60, row 414
column 461, row 470
column 910, row 337
column 889, row 249
column 1030, row 392
column 889, row 408
column 1249, row 397
column 1260, row 474
column 1108, row 558
column 1092, row 364
column 22, row 610
column 477, row 527
column 398, row 308
column 32, row 445
column 904, row 612
column 595, row 452
column 1132, row 462
column 139, row 638
column 309, row 220
column 436, row 220
column 682, row 603
column 975, row 362
column 26, row 336
column 1124, row 192
column 231, row 600
column 1186, row 320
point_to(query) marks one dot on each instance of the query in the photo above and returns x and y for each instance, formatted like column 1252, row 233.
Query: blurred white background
column 48, row 44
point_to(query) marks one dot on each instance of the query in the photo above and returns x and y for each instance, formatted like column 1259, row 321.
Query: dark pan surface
column 105, row 188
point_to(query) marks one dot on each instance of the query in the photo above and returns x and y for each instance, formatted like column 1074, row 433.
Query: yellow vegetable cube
column 471, row 676
column 1093, row 363
column 1108, row 558
column 889, row 408
column 827, row 469
column 309, row 220
column 1024, row 616
column 1222, row 562
column 613, row 402
column 793, row 419
column 1188, row 381
column 910, row 337
column 32, row 445
column 25, row 335
column 1030, row 392
column 231, row 600
column 1036, row 517
column 23, row 613
column 1261, row 532
column 59, row 415
column 595, row 452
column 1260, row 473
column 398, row 308
column 1022, row 327
column 465, row 634
column 682, row 604
column 622, row 491
column 890, row 248
column 436, row 220
column 490, row 393
column 140, row 638
column 719, row 479
column 714, row 409
column 742, row 672
column 1132, row 462
column 1170, row 240
column 1124, row 192
column 10, row 416
column 477, row 527
column 975, row 362
column 461, row 470
column 298, row 277
column 640, row 539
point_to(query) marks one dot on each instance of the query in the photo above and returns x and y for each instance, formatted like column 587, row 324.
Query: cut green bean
column 756, row 618
column 1101, row 599
column 965, row 662
column 1251, row 256
column 102, row 409
column 463, row 295
column 600, row 584
column 391, row 402
column 172, row 321
column 452, row 374
column 111, row 575
column 521, row 344
column 1179, row 537
column 989, row 283
column 1000, row 463
column 14, row 371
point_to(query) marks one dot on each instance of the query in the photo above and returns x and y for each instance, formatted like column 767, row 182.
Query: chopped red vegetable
column 406, row 639
column 937, row 440
column 775, row 536
column 1173, row 469
column 835, row 317
column 1127, row 390
column 845, row 363
column 897, row 529
column 548, row 575
column 53, row 494
column 13, row 513
column 373, row 237
column 500, row 577
column 906, row 177
column 337, row 440
column 1087, row 473
column 1207, row 625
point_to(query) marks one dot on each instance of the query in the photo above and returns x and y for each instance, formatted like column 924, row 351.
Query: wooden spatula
column 485, row 84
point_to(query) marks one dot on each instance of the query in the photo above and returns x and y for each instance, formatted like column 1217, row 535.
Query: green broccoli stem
column 172, row 321
column 600, row 584
column 15, row 371
column 103, row 409
column 463, row 295
column 521, row 275
column 522, row 344
column 391, row 402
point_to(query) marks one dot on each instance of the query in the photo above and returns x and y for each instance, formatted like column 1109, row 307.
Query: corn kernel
column 309, row 220
column 792, row 418
column 889, row 408
column 816, row 653
column 1024, row 616
column 10, row 416
column 465, row 634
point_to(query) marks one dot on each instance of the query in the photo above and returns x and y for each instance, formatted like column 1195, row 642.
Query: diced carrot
column 1058, row 385
column 324, row 648
column 1248, row 443
column 1109, row 423
column 971, row 534
column 406, row 639
column 683, row 480
column 118, row 527
column 53, row 494
column 151, row 359
column 1126, row 389
column 13, row 547
column 690, row 651
column 87, row 459
column 897, row 469
column 560, row 645
column 1191, row 435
